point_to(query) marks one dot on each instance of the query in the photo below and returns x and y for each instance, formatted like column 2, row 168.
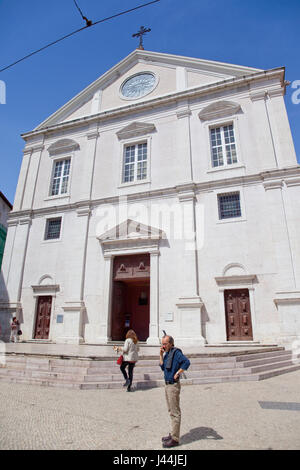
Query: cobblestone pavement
column 214, row 416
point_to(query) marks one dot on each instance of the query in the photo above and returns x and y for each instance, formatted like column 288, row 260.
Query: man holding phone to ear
column 173, row 363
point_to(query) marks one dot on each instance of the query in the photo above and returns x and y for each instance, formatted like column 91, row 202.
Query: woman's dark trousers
column 130, row 371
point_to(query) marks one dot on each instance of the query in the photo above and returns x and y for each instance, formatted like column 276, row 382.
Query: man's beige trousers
column 172, row 392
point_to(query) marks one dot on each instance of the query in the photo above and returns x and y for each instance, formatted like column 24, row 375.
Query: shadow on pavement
column 198, row 434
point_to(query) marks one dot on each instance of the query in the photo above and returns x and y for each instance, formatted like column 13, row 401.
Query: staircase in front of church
column 105, row 373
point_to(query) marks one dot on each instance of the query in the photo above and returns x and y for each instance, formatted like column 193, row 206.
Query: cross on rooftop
column 140, row 34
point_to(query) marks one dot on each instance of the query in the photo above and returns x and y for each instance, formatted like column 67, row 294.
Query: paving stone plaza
column 215, row 416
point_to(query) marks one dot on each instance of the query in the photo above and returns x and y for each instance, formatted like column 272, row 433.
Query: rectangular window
column 223, row 145
column 60, row 179
column 135, row 163
column 53, row 227
column 229, row 205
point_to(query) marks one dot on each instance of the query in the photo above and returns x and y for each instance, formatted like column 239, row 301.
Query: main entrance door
column 238, row 315
column 42, row 325
column 131, row 296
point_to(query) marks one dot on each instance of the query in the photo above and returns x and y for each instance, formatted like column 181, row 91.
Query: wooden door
column 238, row 315
column 139, row 302
column 43, row 316
column 118, row 311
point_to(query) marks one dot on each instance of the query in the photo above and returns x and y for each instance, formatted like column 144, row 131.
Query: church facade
column 164, row 196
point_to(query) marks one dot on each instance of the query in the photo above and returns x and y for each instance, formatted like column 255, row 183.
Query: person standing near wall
column 14, row 328
column 173, row 363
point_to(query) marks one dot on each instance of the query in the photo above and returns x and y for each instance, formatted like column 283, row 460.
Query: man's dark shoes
column 129, row 388
column 166, row 438
column 126, row 383
column 170, row 443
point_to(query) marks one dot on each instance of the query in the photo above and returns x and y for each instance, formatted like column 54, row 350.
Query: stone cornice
column 236, row 279
column 287, row 297
column 273, row 184
column 33, row 148
column 161, row 101
column 268, row 178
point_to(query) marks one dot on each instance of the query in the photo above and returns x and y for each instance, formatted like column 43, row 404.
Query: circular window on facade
column 138, row 85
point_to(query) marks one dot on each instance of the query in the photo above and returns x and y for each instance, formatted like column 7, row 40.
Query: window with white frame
column 60, row 177
column 229, row 205
column 53, row 228
column 135, row 163
column 223, row 145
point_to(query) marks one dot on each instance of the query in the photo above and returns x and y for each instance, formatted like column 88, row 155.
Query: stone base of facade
column 288, row 306
column 190, row 342
column 153, row 341
column 69, row 340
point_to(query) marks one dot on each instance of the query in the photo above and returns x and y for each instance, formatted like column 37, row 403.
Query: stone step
column 55, row 381
column 100, row 367
column 249, row 357
column 264, row 360
column 199, row 380
column 156, row 374
column 46, row 382
column 88, row 373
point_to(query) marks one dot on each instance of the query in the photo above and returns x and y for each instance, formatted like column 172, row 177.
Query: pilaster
column 92, row 137
column 183, row 142
column 189, row 303
column 35, row 152
column 261, row 124
column 280, row 128
column 285, row 278
column 154, row 299
column 72, row 323
column 105, row 310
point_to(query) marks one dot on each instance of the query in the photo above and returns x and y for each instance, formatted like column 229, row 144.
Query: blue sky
column 262, row 34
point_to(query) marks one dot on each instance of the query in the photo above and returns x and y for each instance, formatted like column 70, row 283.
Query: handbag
column 20, row 332
column 120, row 360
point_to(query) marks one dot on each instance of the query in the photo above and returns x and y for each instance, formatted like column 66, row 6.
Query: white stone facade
column 171, row 214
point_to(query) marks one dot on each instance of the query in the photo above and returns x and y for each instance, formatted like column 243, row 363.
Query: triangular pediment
column 173, row 74
column 131, row 230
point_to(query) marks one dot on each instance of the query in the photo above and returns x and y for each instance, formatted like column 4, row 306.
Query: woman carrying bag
column 130, row 357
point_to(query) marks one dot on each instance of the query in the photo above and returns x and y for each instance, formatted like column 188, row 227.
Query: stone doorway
column 131, row 296
column 238, row 315
column 43, row 316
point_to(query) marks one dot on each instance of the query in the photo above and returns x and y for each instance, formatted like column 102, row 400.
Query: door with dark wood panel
column 118, row 311
column 238, row 315
column 43, row 316
column 138, row 300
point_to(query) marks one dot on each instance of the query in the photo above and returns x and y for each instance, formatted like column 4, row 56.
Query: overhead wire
column 77, row 31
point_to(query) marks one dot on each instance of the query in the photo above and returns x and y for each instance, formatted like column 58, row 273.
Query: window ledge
column 230, row 220
column 224, row 168
column 58, row 196
column 133, row 183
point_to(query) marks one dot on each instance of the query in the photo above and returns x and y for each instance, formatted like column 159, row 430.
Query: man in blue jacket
column 173, row 363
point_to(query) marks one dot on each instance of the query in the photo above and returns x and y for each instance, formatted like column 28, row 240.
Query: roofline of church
column 161, row 100
column 138, row 54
